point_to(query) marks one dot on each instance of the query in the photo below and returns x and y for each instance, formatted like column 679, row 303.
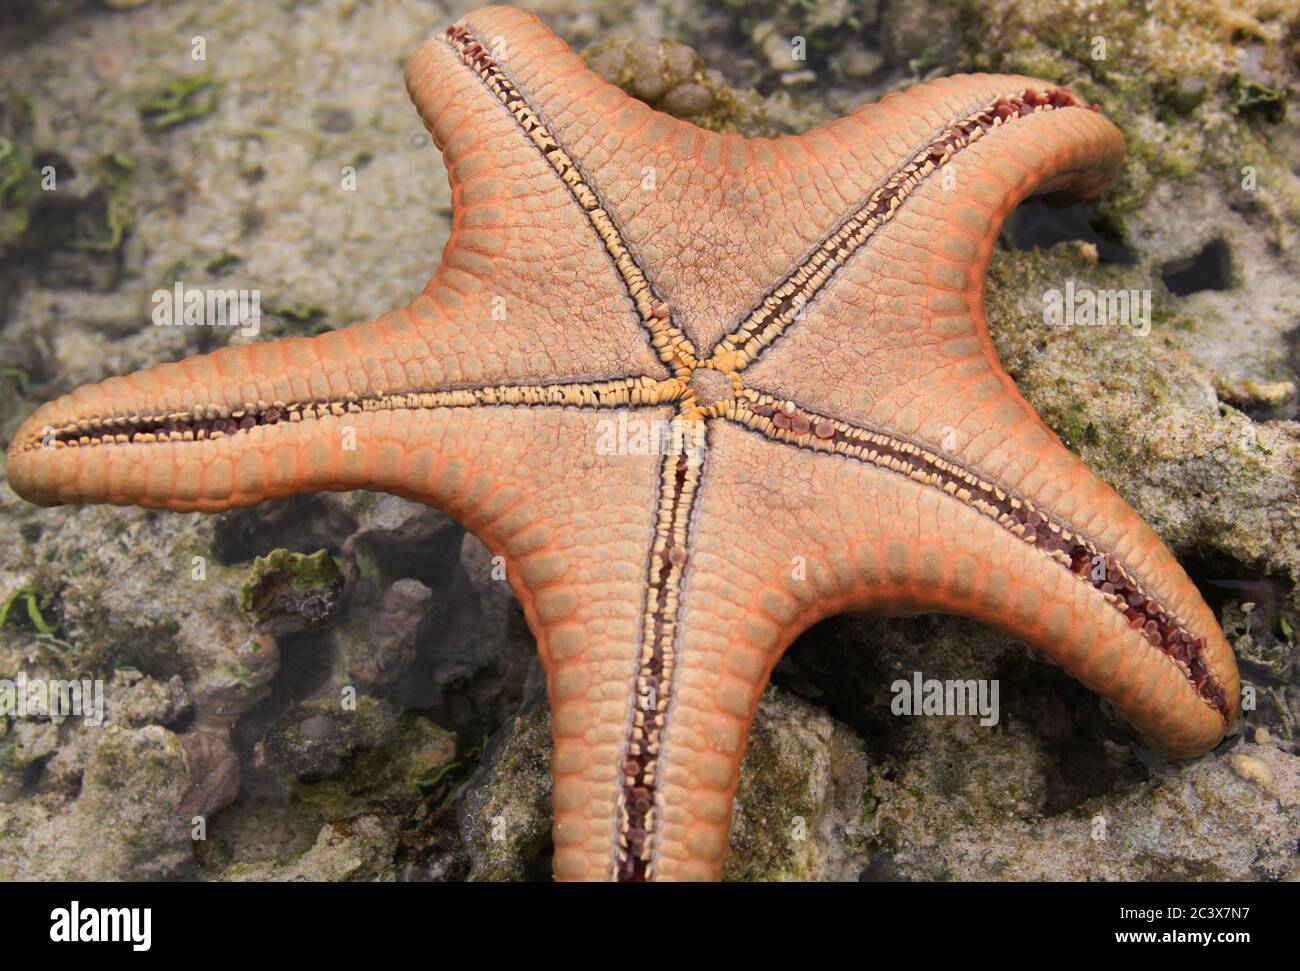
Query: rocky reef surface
column 342, row 687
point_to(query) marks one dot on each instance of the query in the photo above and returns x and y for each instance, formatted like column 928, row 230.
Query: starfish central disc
column 712, row 387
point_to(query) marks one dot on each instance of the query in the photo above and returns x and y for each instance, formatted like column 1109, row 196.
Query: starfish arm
column 678, row 194
column 909, row 260
column 530, row 233
column 561, row 483
column 932, row 377
column 344, row 410
column 927, row 227
column 1129, row 625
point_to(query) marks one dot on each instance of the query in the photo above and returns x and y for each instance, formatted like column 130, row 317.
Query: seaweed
column 179, row 101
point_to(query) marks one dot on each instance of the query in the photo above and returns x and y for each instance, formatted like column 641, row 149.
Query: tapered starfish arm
column 352, row 409
column 1128, row 625
column 927, row 227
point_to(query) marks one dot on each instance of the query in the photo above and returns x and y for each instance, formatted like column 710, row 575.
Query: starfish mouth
column 710, row 389
column 1145, row 613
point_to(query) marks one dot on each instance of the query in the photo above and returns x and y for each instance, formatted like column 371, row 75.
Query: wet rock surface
column 405, row 734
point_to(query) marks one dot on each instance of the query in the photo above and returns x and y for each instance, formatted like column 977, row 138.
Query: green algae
column 108, row 217
column 180, row 101
column 222, row 262
column 307, row 319
column 285, row 583
column 1252, row 97
column 19, row 179
column 47, row 634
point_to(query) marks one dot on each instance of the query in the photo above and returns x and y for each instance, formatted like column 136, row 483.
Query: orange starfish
column 700, row 392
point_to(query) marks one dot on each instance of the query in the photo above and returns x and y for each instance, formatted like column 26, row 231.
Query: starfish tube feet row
column 238, row 426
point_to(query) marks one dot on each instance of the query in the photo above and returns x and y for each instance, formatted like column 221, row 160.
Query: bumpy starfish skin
column 811, row 308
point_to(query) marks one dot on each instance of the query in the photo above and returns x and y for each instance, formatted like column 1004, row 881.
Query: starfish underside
column 700, row 392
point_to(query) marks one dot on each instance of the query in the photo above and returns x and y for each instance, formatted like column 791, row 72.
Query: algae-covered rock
column 505, row 809
column 287, row 592
column 797, row 814
column 123, row 825
column 19, row 179
column 359, row 848
column 314, row 738
column 380, row 646
column 1215, row 820
column 670, row 76
column 258, row 839
column 136, row 700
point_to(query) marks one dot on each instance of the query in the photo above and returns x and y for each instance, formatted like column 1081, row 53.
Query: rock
column 123, row 825
column 287, row 592
column 504, row 811
column 798, row 808
column 917, row 35
column 1187, row 96
column 398, row 782
column 777, row 48
column 798, row 79
column 1252, row 770
column 486, row 572
column 1201, row 822
column 395, row 538
column 332, row 119
column 358, row 848
column 858, row 62
column 670, row 76
column 380, row 646
column 134, row 699
column 687, row 100
column 312, row 741
column 227, row 691
column 213, row 769
column 31, row 741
